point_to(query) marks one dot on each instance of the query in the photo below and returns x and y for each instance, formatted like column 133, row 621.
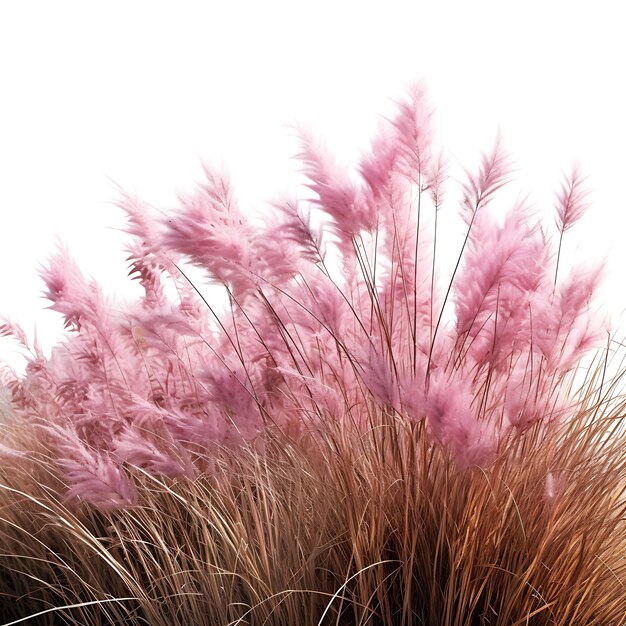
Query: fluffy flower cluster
column 334, row 310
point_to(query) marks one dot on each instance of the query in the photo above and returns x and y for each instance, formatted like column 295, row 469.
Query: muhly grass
column 354, row 437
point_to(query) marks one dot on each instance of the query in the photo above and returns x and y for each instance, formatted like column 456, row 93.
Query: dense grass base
column 376, row 528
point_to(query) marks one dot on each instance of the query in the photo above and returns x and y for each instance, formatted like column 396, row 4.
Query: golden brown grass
column 376, row 528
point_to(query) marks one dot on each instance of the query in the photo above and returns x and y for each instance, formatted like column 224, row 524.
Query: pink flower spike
column 335, row 193
column 452, row 423
column 95, row 478
column 480, row 188
column 136, row 448
column 572, row 200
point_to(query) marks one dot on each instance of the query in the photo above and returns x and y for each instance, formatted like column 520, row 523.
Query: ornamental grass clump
column 356, row 432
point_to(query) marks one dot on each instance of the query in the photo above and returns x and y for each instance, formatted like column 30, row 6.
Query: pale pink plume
column 572, row 200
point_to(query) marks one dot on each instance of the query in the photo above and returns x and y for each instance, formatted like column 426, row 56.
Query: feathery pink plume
column 92, row 476
column 136, row 448
column 335, row 194
column 402, row 145
column 380, row 379
column 480, row 188
column 413, row 127
column 212, row 232
column 70, row 294
column 572, row 200
column 447, row 409
column 504, row 269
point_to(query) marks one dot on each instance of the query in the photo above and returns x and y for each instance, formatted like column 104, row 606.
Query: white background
column 135, row 93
